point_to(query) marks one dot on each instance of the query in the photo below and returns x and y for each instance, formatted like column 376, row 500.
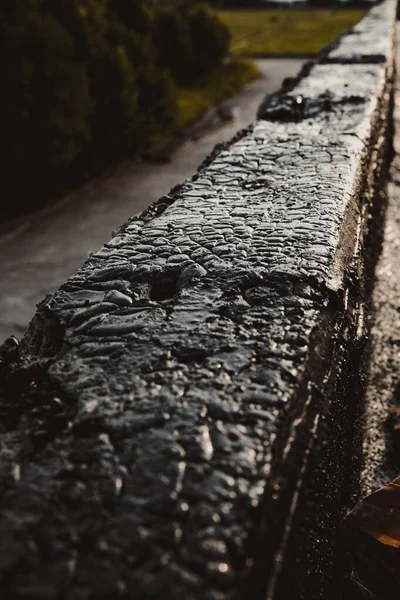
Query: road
column 38, row 252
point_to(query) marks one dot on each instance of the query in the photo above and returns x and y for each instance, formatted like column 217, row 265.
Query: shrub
column 174, row 43
column 210, row 39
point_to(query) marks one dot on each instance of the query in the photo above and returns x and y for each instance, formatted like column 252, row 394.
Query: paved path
column 37, row 253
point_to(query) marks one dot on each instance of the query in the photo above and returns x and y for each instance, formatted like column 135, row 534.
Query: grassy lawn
column 226, row 81
column 286, row 32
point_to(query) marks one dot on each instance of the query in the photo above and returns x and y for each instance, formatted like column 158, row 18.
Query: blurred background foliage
column 88, row 82
column 85, row 82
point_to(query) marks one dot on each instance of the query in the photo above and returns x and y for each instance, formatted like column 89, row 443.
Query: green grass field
column 280, row 32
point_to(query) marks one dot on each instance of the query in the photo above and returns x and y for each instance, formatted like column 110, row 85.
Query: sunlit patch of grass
column 225, row 81
column 286, row 32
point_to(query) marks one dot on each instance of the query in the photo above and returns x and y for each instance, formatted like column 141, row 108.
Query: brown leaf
column 373, row 535
column 379, row 514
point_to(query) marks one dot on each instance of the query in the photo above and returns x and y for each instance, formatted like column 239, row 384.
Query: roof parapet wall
column 178, row 419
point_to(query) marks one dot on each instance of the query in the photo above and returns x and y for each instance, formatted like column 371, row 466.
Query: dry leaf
column 373, row 533
column 379, row 514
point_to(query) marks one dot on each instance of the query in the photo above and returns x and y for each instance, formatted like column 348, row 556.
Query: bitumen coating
column 38, row 252
column 178, row 421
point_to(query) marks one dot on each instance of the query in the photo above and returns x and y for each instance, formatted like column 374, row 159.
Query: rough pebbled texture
column 168, row 409
column 370, row 41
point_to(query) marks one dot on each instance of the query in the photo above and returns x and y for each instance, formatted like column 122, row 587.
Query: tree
column 45, row 99
column 87, row 81
column 135, row 15
column 157, row 97
column 174, row 43
column 112, row 77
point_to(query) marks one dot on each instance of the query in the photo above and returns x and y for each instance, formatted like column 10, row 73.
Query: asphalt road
column 38, row 252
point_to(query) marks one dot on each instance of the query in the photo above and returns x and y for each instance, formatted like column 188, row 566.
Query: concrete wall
column 178, row 419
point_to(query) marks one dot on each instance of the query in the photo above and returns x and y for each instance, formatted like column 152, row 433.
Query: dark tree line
column 84, row 82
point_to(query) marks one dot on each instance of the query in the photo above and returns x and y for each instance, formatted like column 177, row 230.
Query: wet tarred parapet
column 177, row 421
